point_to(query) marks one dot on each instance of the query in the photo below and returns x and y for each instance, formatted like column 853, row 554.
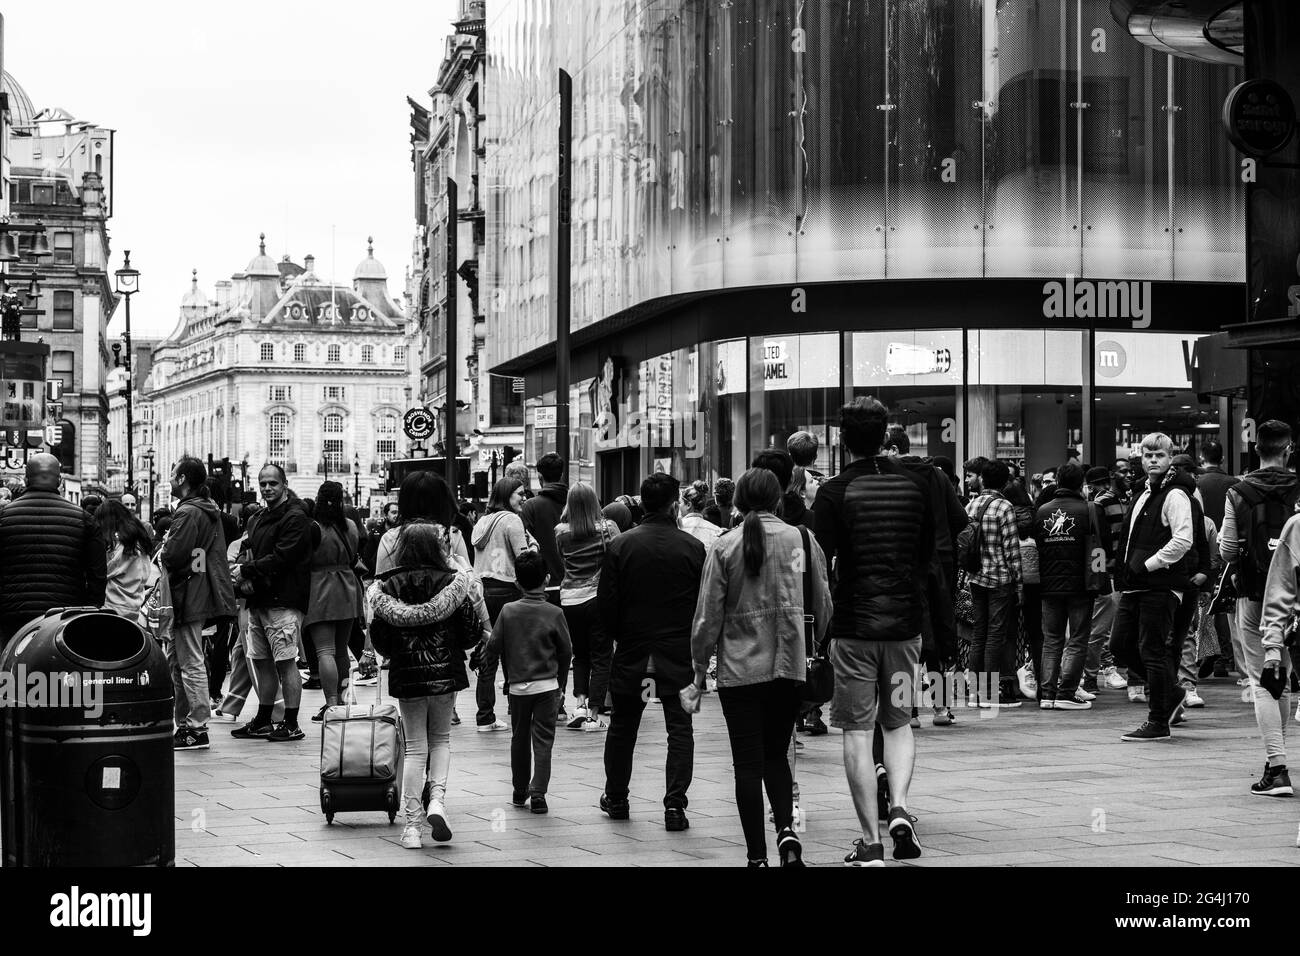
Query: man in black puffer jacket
column 51, row 554
column 1069, row 531
column 542, row 513
column 1153, row 571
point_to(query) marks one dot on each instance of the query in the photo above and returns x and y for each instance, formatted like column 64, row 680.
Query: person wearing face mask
column 274, row 577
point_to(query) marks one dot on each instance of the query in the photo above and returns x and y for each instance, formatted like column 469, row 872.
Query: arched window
column 300, row 353
column 386, row 437
column 278, row 446
column 335, row 354
column 333, row 424
column 367, row 354
column 268, row 352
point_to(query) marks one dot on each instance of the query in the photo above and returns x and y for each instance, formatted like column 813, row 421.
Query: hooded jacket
column 1270, row 483
column 541, row 514
column 498, row 539
column 279, row 540
column 1282, row 590
column 201, row 588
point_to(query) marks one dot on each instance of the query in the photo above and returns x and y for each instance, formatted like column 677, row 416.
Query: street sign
column 418, row 424
column 545, row 416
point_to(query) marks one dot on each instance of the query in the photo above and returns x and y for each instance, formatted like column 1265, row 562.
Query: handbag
column 819, row 685
column 156, row 612
column 1224, row 599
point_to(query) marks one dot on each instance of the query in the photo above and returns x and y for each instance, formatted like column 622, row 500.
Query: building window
column 333, row 451
column 42, row 194
column 333, row 424
column 300, row 353
column 335, row 393
column 367, row 354
column 61, row 367
column 281, row 393
column 334, row 354
column 399, row 355
column 63, row 317
column 385, row 449
column 268, row 352
column 63, row 247
column 387, row 393
column 278, row 448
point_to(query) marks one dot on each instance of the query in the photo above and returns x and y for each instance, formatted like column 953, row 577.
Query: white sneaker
column 594, row 725
column 1075, row 704
column 578, row 719
column 221, row 717
column 1193, row 699
column 437, row 817
column 1110, row 679
column 1081, row 694
column 411, row 839
column 1248, row 695
column 1028, row 682
column 1136, row 695
column 796, row 819
column 492, row 727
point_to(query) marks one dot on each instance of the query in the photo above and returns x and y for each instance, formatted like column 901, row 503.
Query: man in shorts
column 276, row 583
column 875, row 517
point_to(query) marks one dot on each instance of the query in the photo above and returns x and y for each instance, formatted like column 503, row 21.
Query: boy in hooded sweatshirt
column 532, row 638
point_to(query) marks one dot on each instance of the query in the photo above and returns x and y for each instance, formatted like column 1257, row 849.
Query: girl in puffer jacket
column 426, row 616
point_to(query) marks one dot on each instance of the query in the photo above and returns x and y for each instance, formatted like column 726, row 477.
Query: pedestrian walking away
column 427, row 614
column 750, row 610
column 335, row 601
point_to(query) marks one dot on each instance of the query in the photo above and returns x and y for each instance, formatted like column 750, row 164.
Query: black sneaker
column 537, row 803
column 1176, row 708
column 1207, row 667
column 904, row 835
column 1276, row 782
column 675, row 820
column 283, row 733
column 882, row 794
column 1220, row 667
column 817, row 728
column 188, row 739
column 319, row 716
column 1090, row 685
column 252, row 731
column 865, row 854
column 1008, row 699
column 789, row 848
column 519, row 798
column 614, row 809
column 1147, row 733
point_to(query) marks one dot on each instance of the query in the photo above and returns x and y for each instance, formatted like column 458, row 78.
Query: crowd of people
column 921, row 593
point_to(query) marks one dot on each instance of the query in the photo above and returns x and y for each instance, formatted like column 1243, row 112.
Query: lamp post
column 148, row 457
column 356, row 480
column 128, row 284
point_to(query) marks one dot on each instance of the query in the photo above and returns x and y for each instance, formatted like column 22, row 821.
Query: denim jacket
column 757, row 623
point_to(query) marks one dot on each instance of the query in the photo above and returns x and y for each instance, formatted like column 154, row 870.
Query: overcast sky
column 234, row 118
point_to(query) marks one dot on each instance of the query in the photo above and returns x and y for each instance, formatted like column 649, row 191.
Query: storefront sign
column 776, row 360
column 1260, row 117
column 902, row 359
column 417, row 423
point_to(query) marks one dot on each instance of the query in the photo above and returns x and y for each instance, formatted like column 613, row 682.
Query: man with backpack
column 1255, row 511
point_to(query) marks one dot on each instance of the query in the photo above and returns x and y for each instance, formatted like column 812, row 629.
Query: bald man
column 51, row 554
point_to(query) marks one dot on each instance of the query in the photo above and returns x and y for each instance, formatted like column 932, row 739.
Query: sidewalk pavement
column 1024, row 788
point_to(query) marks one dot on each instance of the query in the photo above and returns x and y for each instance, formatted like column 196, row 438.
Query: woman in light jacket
column 696, row 498
column 335, row 601
column 751, row 610
column 499, row 537
column 130, row 548
column 582, row 537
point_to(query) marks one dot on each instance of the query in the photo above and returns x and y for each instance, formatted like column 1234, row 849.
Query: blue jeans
column 189, row 670
column 427, row 721
column 1063, row 657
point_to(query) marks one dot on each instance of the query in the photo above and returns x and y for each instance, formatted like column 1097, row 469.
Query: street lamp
column 148, row 457
column 128, row 284
column 356, row 480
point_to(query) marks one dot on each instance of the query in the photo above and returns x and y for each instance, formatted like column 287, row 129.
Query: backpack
column 1259, row 533
column 969, row 539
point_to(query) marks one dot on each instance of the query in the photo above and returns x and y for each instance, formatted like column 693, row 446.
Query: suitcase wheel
column 392, row 805
column 325, row 806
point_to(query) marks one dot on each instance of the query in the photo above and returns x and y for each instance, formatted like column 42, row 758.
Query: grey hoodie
column 1280, row 591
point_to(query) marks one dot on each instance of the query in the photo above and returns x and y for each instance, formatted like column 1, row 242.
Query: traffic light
column 508, row 454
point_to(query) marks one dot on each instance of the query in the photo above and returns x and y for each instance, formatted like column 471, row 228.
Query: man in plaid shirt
column 993, row 587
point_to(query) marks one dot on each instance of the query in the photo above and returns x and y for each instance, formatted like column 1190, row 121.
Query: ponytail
column 754, row 548
column 756, row 491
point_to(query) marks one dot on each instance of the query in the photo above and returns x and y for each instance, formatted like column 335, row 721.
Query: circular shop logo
column 1260, row 117
column 417, row 423
column 1111, row 359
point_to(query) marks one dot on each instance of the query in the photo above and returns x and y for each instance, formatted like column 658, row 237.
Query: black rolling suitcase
column 361, row 749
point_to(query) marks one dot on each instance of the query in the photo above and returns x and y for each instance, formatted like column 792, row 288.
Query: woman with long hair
column 751, row 610
column 499, row 537
column 427, row 615
column 424, row 497
column 335, row 601
column 582, row 537
column 130, row 548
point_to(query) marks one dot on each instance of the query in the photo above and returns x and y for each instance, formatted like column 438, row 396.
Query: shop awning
column 1220, row 368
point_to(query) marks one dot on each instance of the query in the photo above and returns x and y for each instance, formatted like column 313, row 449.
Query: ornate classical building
column 284, row 366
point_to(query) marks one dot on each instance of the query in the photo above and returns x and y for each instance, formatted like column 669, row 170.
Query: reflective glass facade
column 723, row 145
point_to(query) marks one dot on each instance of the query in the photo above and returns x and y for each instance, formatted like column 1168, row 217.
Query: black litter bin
column 86, row 743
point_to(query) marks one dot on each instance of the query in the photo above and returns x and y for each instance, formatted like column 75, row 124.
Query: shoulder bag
column 819, row 685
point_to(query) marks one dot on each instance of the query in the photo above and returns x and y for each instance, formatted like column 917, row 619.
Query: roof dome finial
column 370, row 245
column 261, row 243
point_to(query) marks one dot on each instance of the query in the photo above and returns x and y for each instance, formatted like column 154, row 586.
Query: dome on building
column 194, row 299
column 370, row 267
column 262, row 264
column 21, row 111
